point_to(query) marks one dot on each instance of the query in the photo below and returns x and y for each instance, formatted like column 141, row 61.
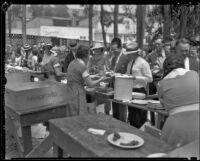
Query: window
column 77, row 23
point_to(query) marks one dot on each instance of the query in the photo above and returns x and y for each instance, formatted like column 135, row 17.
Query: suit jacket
column 122, row 64
column 69, row 58
column 194, row 64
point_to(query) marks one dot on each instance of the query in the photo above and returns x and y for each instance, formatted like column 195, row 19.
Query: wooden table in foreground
column 70, row 135
column 28, row 117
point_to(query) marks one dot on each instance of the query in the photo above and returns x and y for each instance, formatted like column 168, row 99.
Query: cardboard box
column 26, row 95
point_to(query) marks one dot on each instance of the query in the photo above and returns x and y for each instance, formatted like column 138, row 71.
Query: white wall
column 29, row 31
column 65, row 32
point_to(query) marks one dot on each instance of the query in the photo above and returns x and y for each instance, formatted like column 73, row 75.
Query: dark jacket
column 194, row 64
column 69, row 58
column 122, row 64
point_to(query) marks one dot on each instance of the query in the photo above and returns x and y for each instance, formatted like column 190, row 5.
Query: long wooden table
column 162, row 114
column 70, row 135
column 28, row 117
column 142, row 107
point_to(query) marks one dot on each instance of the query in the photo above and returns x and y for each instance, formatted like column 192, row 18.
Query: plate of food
column 154, row 101
column 138, row 95
column 142, row 102
column 125, row 140
column 90, row 89
column 156, row 155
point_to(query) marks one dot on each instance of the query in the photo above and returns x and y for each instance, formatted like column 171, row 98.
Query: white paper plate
column 142, row 102
column 94, row 76
column 125, row 138
column 156, row 155
column 154, row 101
column 89, row 89
column 138, row 95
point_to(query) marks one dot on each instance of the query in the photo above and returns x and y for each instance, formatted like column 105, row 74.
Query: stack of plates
column 137, row 95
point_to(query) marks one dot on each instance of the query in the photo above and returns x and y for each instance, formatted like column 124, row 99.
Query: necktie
column 113, row 62
column 132, row 66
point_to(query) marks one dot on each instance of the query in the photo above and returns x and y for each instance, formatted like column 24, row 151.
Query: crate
column 20, row 96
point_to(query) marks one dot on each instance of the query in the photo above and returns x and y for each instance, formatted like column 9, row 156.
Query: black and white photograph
column 101, row 80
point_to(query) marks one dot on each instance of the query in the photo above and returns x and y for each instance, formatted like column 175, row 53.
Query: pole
column 24, row 23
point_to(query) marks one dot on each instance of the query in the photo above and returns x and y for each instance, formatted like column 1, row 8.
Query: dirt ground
column 11, row 150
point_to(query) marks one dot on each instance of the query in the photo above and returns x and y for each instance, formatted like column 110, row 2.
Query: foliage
column 192, row 13
column 129, row 11
column 37, row 10
column 16, row 11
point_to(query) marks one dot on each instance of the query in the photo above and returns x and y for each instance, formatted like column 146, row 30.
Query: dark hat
column 72, row 43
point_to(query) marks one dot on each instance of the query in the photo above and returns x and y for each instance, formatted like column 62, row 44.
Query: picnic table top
column 76, row 128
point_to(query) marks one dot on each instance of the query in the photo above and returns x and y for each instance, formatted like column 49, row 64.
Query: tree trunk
column 166, row 26
column 183, row 22
column 116, row 20
column 9, row 21
column 24, row 23
column 140, row 13
column 90, row 25
column 102, row 25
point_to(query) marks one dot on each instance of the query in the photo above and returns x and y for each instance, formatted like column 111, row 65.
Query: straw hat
column 26, row 47
column 132, row 48
column 55, row 50
column 97, row 46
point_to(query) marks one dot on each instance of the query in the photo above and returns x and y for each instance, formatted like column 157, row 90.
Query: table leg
column 57, row 151
column 27, row 139
column 152, row 118
column 12, row 131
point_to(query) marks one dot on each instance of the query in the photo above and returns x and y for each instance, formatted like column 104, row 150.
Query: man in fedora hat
column 140, row 69
column 97, row 60
column 71, row 56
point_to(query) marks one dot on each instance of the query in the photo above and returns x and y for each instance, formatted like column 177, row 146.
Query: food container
column 123, row 87
column 34, row 94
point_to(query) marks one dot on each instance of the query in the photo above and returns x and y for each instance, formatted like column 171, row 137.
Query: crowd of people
column 170, row 69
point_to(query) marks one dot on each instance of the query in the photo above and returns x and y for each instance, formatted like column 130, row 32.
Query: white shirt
column 142, row 72
column 187, row 63
column 34, row 60
column 176, row 72
column 18, row 61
